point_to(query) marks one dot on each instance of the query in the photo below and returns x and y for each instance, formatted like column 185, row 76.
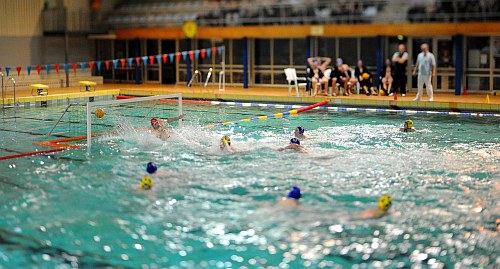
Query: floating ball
column 382, row 93
column 99, row 113
column 365, row 76
column 151, row 167
column 384, row 202
column 146, row 183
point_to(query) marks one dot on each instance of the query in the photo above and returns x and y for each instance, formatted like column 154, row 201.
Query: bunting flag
column 107, row 64
column 209, row 52
column 122, row 61
column 129, row 60
column 203, row 53
column 214, row 51
column 184, row 55
column 191, row 55
column 115, row 63
column 158, row 58
column 29, row 70
column 178, row 56
column 56, row 66
column 138, row 61
column 98, row 64
column 82, row 65
column 219, row 49
column 18, row 68
column 7, row 70
column 91, row 64
column 74, row 67
column 66, row 68
column 145, row 60
column 38, row 69
column 151, row 60
column 47, row 68
column 197, row 53
column 171, row 56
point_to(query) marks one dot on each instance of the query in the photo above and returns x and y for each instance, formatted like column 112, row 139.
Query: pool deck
column 279, row 94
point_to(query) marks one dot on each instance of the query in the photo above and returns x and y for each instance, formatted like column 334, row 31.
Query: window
column 262, row 52
column 299, row 51
column 282, row 52
column 348, row 50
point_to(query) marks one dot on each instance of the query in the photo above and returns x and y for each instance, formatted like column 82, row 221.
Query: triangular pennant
column 107, row 64
column 82, row 65
column 98, row 64
column 122, row 62
column 203, row 53
column 219, row 50
column 197, row 53
column 66, row 67
column 158, row 58
column 191, row 55
column 29, row 69
column 214, row 51
column 138, row 61
column 145, row 59
column 171, row 56
column 209, row 52
column 152, row 60
column 47, row 68
column 18, row 70
column 178, row 56
column 38, row 68
column 74, row 67
column 56, row 66
column 7, row 70
column 115, row 64
column 184, row 55
column 91, row 64
column 129, row 60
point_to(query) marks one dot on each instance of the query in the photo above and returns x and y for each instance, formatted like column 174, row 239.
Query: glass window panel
column 281, row 52
column 348, row 50
column 120, row 49
column 478, row 51
column 262, row 78
column 152, row 47
column 204, row 44
column 327, row 48
column 445, row 55
column 238, row 46
column 263, row 52
column 369, row 51
column 299, row 51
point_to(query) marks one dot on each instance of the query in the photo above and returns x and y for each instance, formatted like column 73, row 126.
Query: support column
column 245, row 63
column 308, row 49
column 379, row 56
column 459, row 48
column 137, row 51
column 188, row 61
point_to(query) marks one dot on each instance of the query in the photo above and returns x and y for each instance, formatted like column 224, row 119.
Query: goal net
column 110, row 117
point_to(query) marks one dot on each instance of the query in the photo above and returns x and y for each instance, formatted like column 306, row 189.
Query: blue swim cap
column 301, row 130
column 295, row 193
column 151, row 167
column 295, row 141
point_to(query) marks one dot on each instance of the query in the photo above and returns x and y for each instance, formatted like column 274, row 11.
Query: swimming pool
column 208, row 209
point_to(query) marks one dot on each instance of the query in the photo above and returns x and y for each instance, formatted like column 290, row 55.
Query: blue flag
column 115, row 63
column 184, row 55
column 129, row 60
column 158, row 58
column 171, row 55
column 98, row 63
column 29, row 70
column 47, row 68
column 145, row 60
column 7, row 70
column 82, row 65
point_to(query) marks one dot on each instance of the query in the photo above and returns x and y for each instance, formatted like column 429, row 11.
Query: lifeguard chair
column 87, row 84
column 41, row 89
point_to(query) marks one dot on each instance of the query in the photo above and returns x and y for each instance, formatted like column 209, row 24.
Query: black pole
column 66, row 46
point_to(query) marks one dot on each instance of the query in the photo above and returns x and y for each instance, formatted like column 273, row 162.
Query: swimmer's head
column 295, row 141
column 294, row 193
column 151, row 167
column 384, row 202
column 154, row 123
column 225, row 141
column 408, row 124
column 339, row 62
column 146, row 183
column 299, row 131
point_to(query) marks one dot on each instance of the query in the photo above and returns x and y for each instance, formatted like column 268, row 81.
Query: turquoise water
column 210, row 209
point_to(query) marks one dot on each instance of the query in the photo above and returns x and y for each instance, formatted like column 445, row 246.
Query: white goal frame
column 92, row 105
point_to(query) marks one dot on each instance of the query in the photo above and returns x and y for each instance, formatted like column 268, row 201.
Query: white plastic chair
column 328, row 74
column 353, row 75
column 291, row 76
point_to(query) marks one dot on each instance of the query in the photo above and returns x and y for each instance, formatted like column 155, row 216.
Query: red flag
column 151, row 59
column 18, row 70
column 56, row 66
column 214, row 51
column 107, row 65
column 38, row 68
column 138, row 60
column 122, row 61
column 91, row 64
column 178, row 56
column 164, row 57
column 203, row 53
column 191, row 54
column 74, row 67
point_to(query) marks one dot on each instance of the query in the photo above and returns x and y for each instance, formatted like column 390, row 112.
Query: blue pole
column 379, row 57
column 308, row 50
column 245, row 63
column 188, row 60
column 459, row 49
column 137, row 47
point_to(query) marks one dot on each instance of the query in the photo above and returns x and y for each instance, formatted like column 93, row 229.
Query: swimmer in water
column 292, row 199
column 384, row 203
column 295, row 145
column 408, row 127
column 159, row 126
column 299, row 133
column 494, row 232
column 225, row 144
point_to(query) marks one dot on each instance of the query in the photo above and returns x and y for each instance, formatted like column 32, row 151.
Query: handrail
column 59, row 120
column 3, row 94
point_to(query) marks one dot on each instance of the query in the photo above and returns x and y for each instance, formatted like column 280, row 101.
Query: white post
column 179, row 100
column 89, row 126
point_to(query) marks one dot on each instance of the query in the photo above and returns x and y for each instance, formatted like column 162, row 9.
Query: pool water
column 210, row 209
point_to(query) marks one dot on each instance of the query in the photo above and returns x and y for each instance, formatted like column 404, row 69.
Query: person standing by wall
column 426, row 67
column 399, row 59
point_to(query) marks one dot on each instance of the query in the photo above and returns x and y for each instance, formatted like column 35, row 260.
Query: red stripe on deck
column 26, row 154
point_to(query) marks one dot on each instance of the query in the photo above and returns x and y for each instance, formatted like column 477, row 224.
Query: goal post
column 151, row 101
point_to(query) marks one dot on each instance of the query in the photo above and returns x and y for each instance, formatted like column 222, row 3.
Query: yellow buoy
column 99, row 113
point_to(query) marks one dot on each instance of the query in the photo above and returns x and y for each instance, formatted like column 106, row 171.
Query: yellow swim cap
column 225, row 141
column 409, row 124
column 146, row 183
column 384, row 202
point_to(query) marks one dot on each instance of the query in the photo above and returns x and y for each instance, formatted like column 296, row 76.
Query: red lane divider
column 312, row 106
column 167, row 100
